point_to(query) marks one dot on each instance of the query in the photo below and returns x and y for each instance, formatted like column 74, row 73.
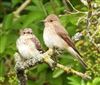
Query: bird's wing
column 61, row 32
column 37, row 43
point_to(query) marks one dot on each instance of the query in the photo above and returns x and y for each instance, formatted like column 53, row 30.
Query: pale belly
column 51, row 39
column 26, row 51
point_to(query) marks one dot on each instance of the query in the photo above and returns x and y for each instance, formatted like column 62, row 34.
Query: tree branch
column 21, row 8
column 21, row 65
column 76, row 11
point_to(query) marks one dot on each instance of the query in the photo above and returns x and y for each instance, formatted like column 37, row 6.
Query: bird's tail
column 77, row 55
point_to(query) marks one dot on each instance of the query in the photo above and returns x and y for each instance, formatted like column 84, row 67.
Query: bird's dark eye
column 23, row 32
column 51, row 20
column 30, row 32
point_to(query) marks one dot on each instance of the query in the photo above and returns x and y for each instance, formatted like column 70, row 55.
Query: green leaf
column 31, row 8
column 2, row 67
column 69, row 22
column 58, row 2
column 33, row 16
column 42, row 78
column 7, row 22
column 3, row 41
column 66, row 59
column 74, row 80
column 97, row 1
column 89, row 83
column 83, row 82
column 71, row 29
column 40, row 6
column 48, row 7
column 57, row 81
column 57, row 73
column 2, row 79
column 69, row 19
column 41, row 68
column 96, row 81
column 15, row 2
column 37, row 3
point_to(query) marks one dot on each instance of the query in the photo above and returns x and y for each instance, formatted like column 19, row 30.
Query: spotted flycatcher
column 55, row 36
column 28, row 45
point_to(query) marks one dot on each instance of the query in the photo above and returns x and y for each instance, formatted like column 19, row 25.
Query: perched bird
column 28, row 45
column 55, row 36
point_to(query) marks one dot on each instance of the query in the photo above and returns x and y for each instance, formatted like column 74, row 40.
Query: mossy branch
column 21, row 65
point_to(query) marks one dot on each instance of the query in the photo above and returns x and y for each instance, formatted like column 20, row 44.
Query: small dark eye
column 51, row 20
column 29, row 32
column 23, row 32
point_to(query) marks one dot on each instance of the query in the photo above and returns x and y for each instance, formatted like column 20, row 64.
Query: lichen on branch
column 22, row 65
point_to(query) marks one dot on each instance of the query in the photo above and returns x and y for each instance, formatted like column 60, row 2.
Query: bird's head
column 51, row 18
column 26, row 31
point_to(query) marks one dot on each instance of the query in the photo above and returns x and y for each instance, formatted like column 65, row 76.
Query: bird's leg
column 49, row 51
column 54, row 57
column 57, row 52
column 48, row 59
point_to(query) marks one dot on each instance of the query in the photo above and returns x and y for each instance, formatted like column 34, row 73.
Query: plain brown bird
column 28, row 44
column 55, row 36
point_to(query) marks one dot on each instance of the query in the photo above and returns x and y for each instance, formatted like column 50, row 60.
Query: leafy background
column 31, row 16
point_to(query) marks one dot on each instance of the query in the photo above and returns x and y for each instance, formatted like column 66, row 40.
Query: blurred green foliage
column 31, row 17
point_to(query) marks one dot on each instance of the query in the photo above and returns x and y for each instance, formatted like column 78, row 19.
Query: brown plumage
column 55, row 35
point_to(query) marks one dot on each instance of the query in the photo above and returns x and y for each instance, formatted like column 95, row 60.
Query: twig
column 75, row 10
column 21, row 8
column 70, row 70
column 67, row 69
column 71, row 6
column 78, row 12
column 79, row 20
